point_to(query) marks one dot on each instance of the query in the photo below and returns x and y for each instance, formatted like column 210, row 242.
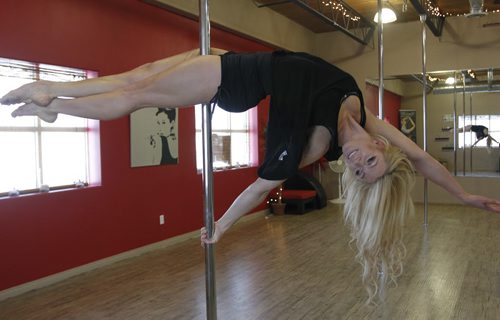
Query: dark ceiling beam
column 259, row 4
column 434, row 23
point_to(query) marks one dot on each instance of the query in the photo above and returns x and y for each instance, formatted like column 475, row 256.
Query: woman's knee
column 263, row 186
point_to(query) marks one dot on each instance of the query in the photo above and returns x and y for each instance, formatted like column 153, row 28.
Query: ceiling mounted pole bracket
column 435, row 23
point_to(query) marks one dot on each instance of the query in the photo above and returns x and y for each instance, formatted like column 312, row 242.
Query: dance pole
column 380, row 62
column 455, row 124
column 463, row 113
column 208, row 174
column 470, row 112
column 424, row 104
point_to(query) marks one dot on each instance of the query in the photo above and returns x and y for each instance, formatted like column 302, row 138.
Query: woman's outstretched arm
column 429, row 167
column 246, row 201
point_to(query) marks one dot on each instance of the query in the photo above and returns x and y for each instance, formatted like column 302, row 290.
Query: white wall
column 245, row 17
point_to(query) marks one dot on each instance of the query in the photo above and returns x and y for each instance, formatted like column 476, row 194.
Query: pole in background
column 208, row 174
column 423, row 17
column 463, row 114
column 455, row 125
column 380, row 62
column 471, row 141
column 380, row 66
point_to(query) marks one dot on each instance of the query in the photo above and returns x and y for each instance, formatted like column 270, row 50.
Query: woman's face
column 165, row 126
column 365, row 157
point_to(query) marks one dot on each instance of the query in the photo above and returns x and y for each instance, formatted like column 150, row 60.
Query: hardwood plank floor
column 291, row 267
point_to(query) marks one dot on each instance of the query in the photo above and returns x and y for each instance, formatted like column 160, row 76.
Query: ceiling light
column 388, row 16
column 450, row 80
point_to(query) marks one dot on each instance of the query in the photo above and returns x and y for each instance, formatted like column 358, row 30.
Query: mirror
column 463, row 117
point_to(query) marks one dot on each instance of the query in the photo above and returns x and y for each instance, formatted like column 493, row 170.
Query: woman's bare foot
column 31, row 109
column 35, row 92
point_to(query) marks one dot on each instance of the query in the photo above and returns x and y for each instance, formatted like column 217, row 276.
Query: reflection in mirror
column 463, row 117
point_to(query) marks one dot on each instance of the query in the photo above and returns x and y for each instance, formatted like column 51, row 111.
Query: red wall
column 48, row 233
column 392, row 104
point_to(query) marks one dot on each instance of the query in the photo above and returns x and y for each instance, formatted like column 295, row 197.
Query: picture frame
column 153, row 137
column 408, row 123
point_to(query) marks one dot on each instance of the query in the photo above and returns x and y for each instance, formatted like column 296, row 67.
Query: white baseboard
column 58, row 277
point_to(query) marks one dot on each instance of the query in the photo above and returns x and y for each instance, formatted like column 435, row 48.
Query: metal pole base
column 337, row 201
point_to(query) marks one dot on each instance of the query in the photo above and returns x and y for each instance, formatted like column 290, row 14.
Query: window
column 492, row 122
column 232, row 138
column 35, row 154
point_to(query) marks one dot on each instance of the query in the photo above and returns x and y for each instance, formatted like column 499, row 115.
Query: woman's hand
column 481, row 202
column 217, row 235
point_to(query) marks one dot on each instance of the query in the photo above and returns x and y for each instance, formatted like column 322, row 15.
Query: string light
column 337, row 6
column 431, row 7
column 434, row 10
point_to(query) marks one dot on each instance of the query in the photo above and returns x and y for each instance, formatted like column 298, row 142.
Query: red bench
column 299, row 201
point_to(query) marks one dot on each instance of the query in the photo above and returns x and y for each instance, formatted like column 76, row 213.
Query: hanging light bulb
column 450, row 80
column 388, row 16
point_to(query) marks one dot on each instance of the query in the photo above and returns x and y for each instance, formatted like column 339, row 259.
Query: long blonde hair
column 376, row 213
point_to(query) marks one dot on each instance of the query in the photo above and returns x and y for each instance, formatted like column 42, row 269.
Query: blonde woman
column 481, row 133
column 316, row 110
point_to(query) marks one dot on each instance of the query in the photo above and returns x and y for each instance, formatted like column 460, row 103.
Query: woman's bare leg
column 466, row 128
column 187, row 83
column 42, row 92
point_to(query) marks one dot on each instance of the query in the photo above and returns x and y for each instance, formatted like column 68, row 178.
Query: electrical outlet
column 162, row 219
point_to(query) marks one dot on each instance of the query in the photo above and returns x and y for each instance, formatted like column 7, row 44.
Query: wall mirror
column 463, row 117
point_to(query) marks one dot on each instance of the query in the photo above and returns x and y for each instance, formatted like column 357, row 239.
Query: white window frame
column 250, row 148
column 10, row 68
column 492, row 122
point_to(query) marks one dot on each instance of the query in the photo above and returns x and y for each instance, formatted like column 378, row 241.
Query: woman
column 315, row 109
column 481, row 133
column 165, row 119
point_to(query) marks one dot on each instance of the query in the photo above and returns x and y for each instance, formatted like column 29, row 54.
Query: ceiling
column 368, row 8
column 404, row 9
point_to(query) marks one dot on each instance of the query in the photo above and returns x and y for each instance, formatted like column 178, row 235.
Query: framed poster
column 408, row 123
column 153, row 137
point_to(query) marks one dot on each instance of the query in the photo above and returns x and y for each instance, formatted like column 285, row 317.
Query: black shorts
column 245, row 80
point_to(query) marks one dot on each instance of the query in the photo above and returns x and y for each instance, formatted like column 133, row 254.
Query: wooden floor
column 291, row 267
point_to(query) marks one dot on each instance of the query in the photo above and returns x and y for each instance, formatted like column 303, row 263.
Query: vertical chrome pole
column 380, row 62
column 455, row 124
column 463, row 113
column 424, row 110
column 208, row 174
column 380, row 71
column 470, row 112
